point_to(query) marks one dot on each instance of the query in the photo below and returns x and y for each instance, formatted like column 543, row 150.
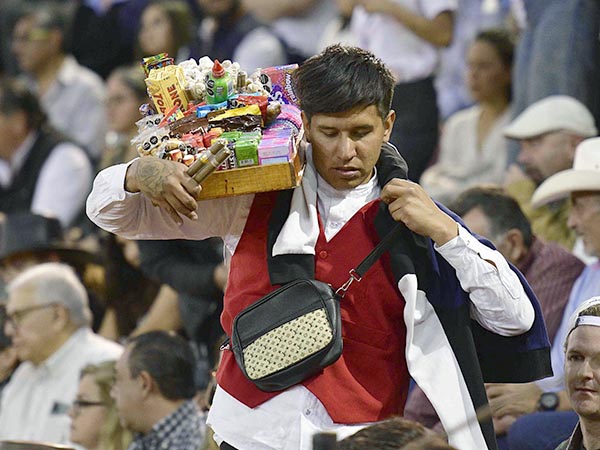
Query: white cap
column 576, row 320
column 554, row 113
column 584, row 176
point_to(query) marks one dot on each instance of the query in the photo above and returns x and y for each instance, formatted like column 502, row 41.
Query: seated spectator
column 548, row 428
column 550, row 269
column 40, row 170
column 548, row 131
column 472, row 148
column 154, row 392
column 125, row 92
column 166, row 26
column 48, row 320
column 71, row 95
column 396, row 433
column 582, row 375
column 95, row 423
column 229, row 31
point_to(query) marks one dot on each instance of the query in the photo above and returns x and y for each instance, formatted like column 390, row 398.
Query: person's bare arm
column 437, row 31
column 268, row 10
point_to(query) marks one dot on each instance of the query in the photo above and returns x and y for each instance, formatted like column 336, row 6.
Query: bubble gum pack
column 278, row 82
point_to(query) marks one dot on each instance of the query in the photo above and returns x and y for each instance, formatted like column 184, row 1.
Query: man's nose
column 585, row 371
column 346, row 147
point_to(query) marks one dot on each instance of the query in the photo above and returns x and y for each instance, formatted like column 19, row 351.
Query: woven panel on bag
column 288, row 344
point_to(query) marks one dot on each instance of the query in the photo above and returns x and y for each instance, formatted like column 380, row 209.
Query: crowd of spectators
column 493, row 100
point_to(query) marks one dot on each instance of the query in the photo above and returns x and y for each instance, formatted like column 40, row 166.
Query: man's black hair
column 502, row 211
column 394, row 434
column 343, row 78
column 15, row 96
column 168, row 359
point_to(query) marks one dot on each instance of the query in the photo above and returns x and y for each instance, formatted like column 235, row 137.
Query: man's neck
column 158, row 410
column 591, row 433
column 46, row 75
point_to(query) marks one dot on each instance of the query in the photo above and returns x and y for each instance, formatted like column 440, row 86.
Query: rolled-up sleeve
column 499, row 302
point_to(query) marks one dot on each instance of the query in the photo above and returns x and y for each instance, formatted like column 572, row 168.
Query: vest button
column 323, row 254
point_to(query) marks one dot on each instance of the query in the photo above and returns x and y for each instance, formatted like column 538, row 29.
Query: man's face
column 29, row 325
column 547, row 154
column 584, row 218
column 128, row 394
column 347, row 145
column 582, row 371
column 31, row 45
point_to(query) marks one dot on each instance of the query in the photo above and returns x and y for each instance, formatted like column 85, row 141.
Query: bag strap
column 359, row 272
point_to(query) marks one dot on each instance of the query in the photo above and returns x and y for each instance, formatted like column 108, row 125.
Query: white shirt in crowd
column 63, row 183
column 36, row 401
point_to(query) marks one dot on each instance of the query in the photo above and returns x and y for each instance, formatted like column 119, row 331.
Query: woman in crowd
column 95, row 423
column 472, row 148
column 166, row 26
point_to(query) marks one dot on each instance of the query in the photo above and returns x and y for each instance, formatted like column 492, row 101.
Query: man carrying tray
column 439, row 306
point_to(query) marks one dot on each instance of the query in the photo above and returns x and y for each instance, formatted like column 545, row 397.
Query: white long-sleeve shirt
column 499, row 301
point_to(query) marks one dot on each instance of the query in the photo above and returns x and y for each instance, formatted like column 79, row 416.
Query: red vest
column 370, row 380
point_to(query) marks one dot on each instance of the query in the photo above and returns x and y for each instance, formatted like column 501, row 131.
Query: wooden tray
column 250, row 180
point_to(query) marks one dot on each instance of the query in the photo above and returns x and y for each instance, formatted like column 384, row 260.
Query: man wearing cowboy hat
column 582, row 184
column 548, row 132
column 582, row 375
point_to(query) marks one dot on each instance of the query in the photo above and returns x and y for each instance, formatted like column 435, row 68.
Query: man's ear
column 306, row 124
column 146, row 383
column 62, row 316
column 388, row 125
column 516, row 245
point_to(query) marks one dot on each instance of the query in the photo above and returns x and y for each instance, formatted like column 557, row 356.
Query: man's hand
column 410, row 204
column 166, row 184
column 513, row 399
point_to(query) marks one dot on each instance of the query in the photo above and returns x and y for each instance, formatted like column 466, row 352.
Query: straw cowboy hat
column 584, row 176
